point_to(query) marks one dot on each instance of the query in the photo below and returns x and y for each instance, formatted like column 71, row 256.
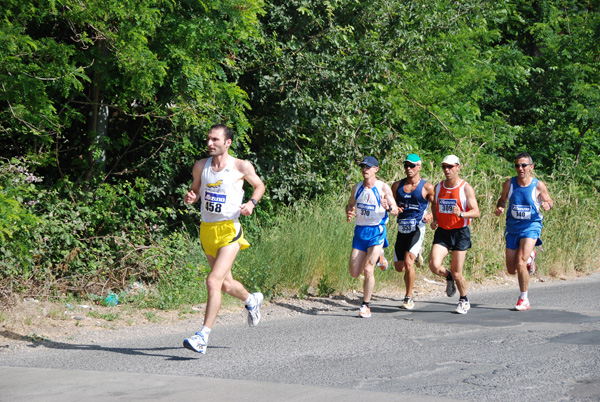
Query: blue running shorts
column 513, row 239
column 369, row 236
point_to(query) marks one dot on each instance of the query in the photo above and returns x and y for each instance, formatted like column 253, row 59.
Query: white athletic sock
column 251, row 301
column 205, row 331
column 523, row 295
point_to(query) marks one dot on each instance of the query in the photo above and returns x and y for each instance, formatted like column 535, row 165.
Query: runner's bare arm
column 351, row 205
column 394, row 191
column 194, row 194
column 249, row 174
column 501, row 204
column 388, row 196
column 473, row 211
column 547, row 202
column 434, row 224
column 429, row 195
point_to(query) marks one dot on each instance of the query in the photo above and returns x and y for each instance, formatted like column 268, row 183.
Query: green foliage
column 83, row 241
column 155, row 73
column 17, row 237
column 304, row 243
column 110, row 102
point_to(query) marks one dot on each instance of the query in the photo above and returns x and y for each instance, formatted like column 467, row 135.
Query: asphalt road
column 550, row 353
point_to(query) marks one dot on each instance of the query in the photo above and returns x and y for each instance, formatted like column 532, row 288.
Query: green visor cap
column 414, row 158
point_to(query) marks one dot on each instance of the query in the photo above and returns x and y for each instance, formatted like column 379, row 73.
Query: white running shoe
column 254, row 312
column 408, row 304
column 364, row 312
column 196, row 343
column 462, row 307
column 419, row 260
column 382, row 262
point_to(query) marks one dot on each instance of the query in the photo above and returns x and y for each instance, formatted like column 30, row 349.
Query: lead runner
column 217, row 183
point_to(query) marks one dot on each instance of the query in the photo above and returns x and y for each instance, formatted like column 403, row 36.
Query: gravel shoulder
column 30, row 321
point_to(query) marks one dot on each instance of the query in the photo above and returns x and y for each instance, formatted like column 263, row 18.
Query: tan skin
column 220, row 278
column 439, row 252
column 516, row 260
column 364, row 262
column 413, row 177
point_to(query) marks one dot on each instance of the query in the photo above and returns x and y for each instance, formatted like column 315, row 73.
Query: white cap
column 451, row 160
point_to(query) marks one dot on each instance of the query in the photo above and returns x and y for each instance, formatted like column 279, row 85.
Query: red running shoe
column 531, row 262
column 522, row 305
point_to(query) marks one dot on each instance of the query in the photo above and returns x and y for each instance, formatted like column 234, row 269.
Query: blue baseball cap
column 369, row 161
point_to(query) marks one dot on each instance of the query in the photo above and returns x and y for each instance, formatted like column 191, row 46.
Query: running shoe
column 196, row 343
column 382, row 262
column 254, row 311
column 462, row 307
column 450, row 287
column 408, row 304
column 364, row 312
column 419, row 261
column 531, row 262
column 522, row 305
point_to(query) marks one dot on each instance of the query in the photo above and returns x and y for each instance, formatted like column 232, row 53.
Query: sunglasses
column 409, row 165
column 522, row 165
column 447, row 166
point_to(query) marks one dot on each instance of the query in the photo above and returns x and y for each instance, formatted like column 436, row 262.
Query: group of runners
column 453, row 206
column 218, row 183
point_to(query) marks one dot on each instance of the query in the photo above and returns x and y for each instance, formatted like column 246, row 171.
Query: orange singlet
column 445, row 199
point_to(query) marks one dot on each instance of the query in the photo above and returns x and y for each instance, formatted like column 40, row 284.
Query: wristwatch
column 254, row 201
column 461, row 214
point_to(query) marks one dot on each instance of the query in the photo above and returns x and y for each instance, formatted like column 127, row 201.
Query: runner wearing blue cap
column 370, row 202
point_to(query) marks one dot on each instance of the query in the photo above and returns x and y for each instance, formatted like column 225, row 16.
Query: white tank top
column 221, row 192
column 369, row 211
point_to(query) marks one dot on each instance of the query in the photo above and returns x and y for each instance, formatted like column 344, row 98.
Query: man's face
column 368, row 171
column 217, row 143
column 411, row 169
column 523, row 167
column 450, row 171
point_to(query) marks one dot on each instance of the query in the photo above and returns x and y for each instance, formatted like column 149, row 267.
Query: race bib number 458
column 214, row 202
column 445, row 206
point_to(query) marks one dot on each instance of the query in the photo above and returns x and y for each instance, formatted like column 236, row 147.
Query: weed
column 104, row 316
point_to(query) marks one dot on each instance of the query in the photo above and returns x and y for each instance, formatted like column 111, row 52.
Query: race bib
column 521, row 211
column 407, row 225
column 215, row 197
column 366, row 207
column 214, row 202
column 446, row 206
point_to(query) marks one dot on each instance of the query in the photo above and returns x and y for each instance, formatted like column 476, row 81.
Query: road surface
column 550, row 353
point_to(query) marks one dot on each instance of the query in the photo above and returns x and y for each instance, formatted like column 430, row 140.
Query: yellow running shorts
column 215, row 235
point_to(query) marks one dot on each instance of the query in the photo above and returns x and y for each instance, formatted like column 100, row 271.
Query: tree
column 97, row 88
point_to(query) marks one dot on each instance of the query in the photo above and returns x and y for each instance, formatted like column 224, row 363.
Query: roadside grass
column 309, row 246
column 304, row 250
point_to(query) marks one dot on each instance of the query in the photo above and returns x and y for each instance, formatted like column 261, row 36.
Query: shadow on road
column 35, row 342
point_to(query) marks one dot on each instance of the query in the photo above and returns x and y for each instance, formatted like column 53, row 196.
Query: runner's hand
column 247, row 208
column 190, row 197
column 350, row 214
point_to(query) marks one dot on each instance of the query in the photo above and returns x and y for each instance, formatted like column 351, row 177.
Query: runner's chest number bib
column 446, row 206
column 407, row 225
column 521, row 212
column 365, row 209
column 214, row 202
